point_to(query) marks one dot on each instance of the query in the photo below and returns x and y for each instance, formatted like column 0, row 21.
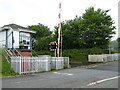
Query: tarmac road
column 97, row 76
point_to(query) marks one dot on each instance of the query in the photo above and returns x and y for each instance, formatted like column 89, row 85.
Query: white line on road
column 62, row 73
column 100, row 81
column 92, row 66
column 28, row 80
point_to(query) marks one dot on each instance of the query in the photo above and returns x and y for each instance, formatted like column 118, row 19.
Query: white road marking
column 62, row 73
column 97, row 65
column 18, row 82
column 28, row 81
column 92, row 66
column 100, row 81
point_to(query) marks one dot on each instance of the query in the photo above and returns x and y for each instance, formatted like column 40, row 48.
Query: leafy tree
column 97, row 27
column 93, row 29
column 42, row 43
column 68, row 34
column 41, row 30
column 42, row 37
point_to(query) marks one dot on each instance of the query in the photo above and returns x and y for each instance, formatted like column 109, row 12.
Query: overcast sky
column 32, row 12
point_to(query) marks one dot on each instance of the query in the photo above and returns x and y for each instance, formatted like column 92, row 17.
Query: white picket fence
column 23, row 65
column 104, row 57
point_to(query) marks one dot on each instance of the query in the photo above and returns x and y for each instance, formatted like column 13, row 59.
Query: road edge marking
column 63, row 73
column 103, row 80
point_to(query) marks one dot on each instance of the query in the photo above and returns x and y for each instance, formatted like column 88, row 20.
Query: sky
column 32, row 12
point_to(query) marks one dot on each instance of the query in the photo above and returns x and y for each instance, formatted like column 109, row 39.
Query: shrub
column 76, row 55
column 81, row 55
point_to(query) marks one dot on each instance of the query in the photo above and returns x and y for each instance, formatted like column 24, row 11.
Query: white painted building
column 15, row 36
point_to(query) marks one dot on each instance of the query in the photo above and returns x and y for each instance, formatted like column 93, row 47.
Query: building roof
column 17, row 27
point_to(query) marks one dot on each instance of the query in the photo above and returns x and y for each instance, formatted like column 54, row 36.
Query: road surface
column 95, row 76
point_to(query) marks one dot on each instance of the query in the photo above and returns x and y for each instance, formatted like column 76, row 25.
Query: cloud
column 6, row 7
column 29, row 12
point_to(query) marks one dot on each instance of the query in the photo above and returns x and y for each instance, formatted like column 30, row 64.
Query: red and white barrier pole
column 59, row 29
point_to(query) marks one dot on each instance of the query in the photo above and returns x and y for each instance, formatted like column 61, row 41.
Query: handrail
column 17, row 52
column 13, row 52
column 6, row 55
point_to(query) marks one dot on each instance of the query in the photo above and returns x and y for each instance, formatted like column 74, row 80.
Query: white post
column 109, row 49
column 59, row 28
column 37, row 61
column 56, row 60
column 61, row 44
column 46, row 60
column 20, row 65
column 55, row 53
column 68, row 62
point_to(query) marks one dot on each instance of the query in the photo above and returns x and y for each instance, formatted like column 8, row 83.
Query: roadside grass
column 53, row 70
column 0, row 62
column 6, row 68
column 0, row 67
column 114, row 61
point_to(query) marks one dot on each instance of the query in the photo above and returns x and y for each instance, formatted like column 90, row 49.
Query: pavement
column 93, row 76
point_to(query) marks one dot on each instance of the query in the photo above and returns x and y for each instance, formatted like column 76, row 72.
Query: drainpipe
column 30, row 42
column 6, row 38
column 12, row 40
column 30, row 45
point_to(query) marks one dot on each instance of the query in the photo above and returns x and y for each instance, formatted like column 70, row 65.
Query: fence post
column 68, row 62
column 56, row 60
column 20, row 65
column 47, row 59
column 16, row 62
column 36, row 63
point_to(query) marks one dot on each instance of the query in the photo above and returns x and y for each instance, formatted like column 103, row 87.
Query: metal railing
column 15, row 50
column 23, row 65
column 8, row 53
column 104, row 57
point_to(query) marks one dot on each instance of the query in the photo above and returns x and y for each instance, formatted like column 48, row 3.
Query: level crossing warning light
column 53, row 46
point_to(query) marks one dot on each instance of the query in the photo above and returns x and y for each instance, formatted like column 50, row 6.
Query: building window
column 24, row 39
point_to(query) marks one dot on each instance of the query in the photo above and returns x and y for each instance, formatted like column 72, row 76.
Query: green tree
column 41, row 38
column 68, row 34
column 97, row 27
column 41, row 30
column 42, row 43
column 93, row 29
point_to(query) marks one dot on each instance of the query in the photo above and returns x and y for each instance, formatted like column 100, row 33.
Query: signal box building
column 13, row 36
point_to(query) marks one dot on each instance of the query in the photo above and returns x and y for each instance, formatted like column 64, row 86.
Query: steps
column 8, row 53
column 25, row 53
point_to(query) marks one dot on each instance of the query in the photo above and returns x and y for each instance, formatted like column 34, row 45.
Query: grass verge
column 6, row 68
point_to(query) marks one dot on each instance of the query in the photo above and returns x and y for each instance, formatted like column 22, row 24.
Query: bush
column 76, row 55
column 81, row 55
column 43, row 52
column 116, row 51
